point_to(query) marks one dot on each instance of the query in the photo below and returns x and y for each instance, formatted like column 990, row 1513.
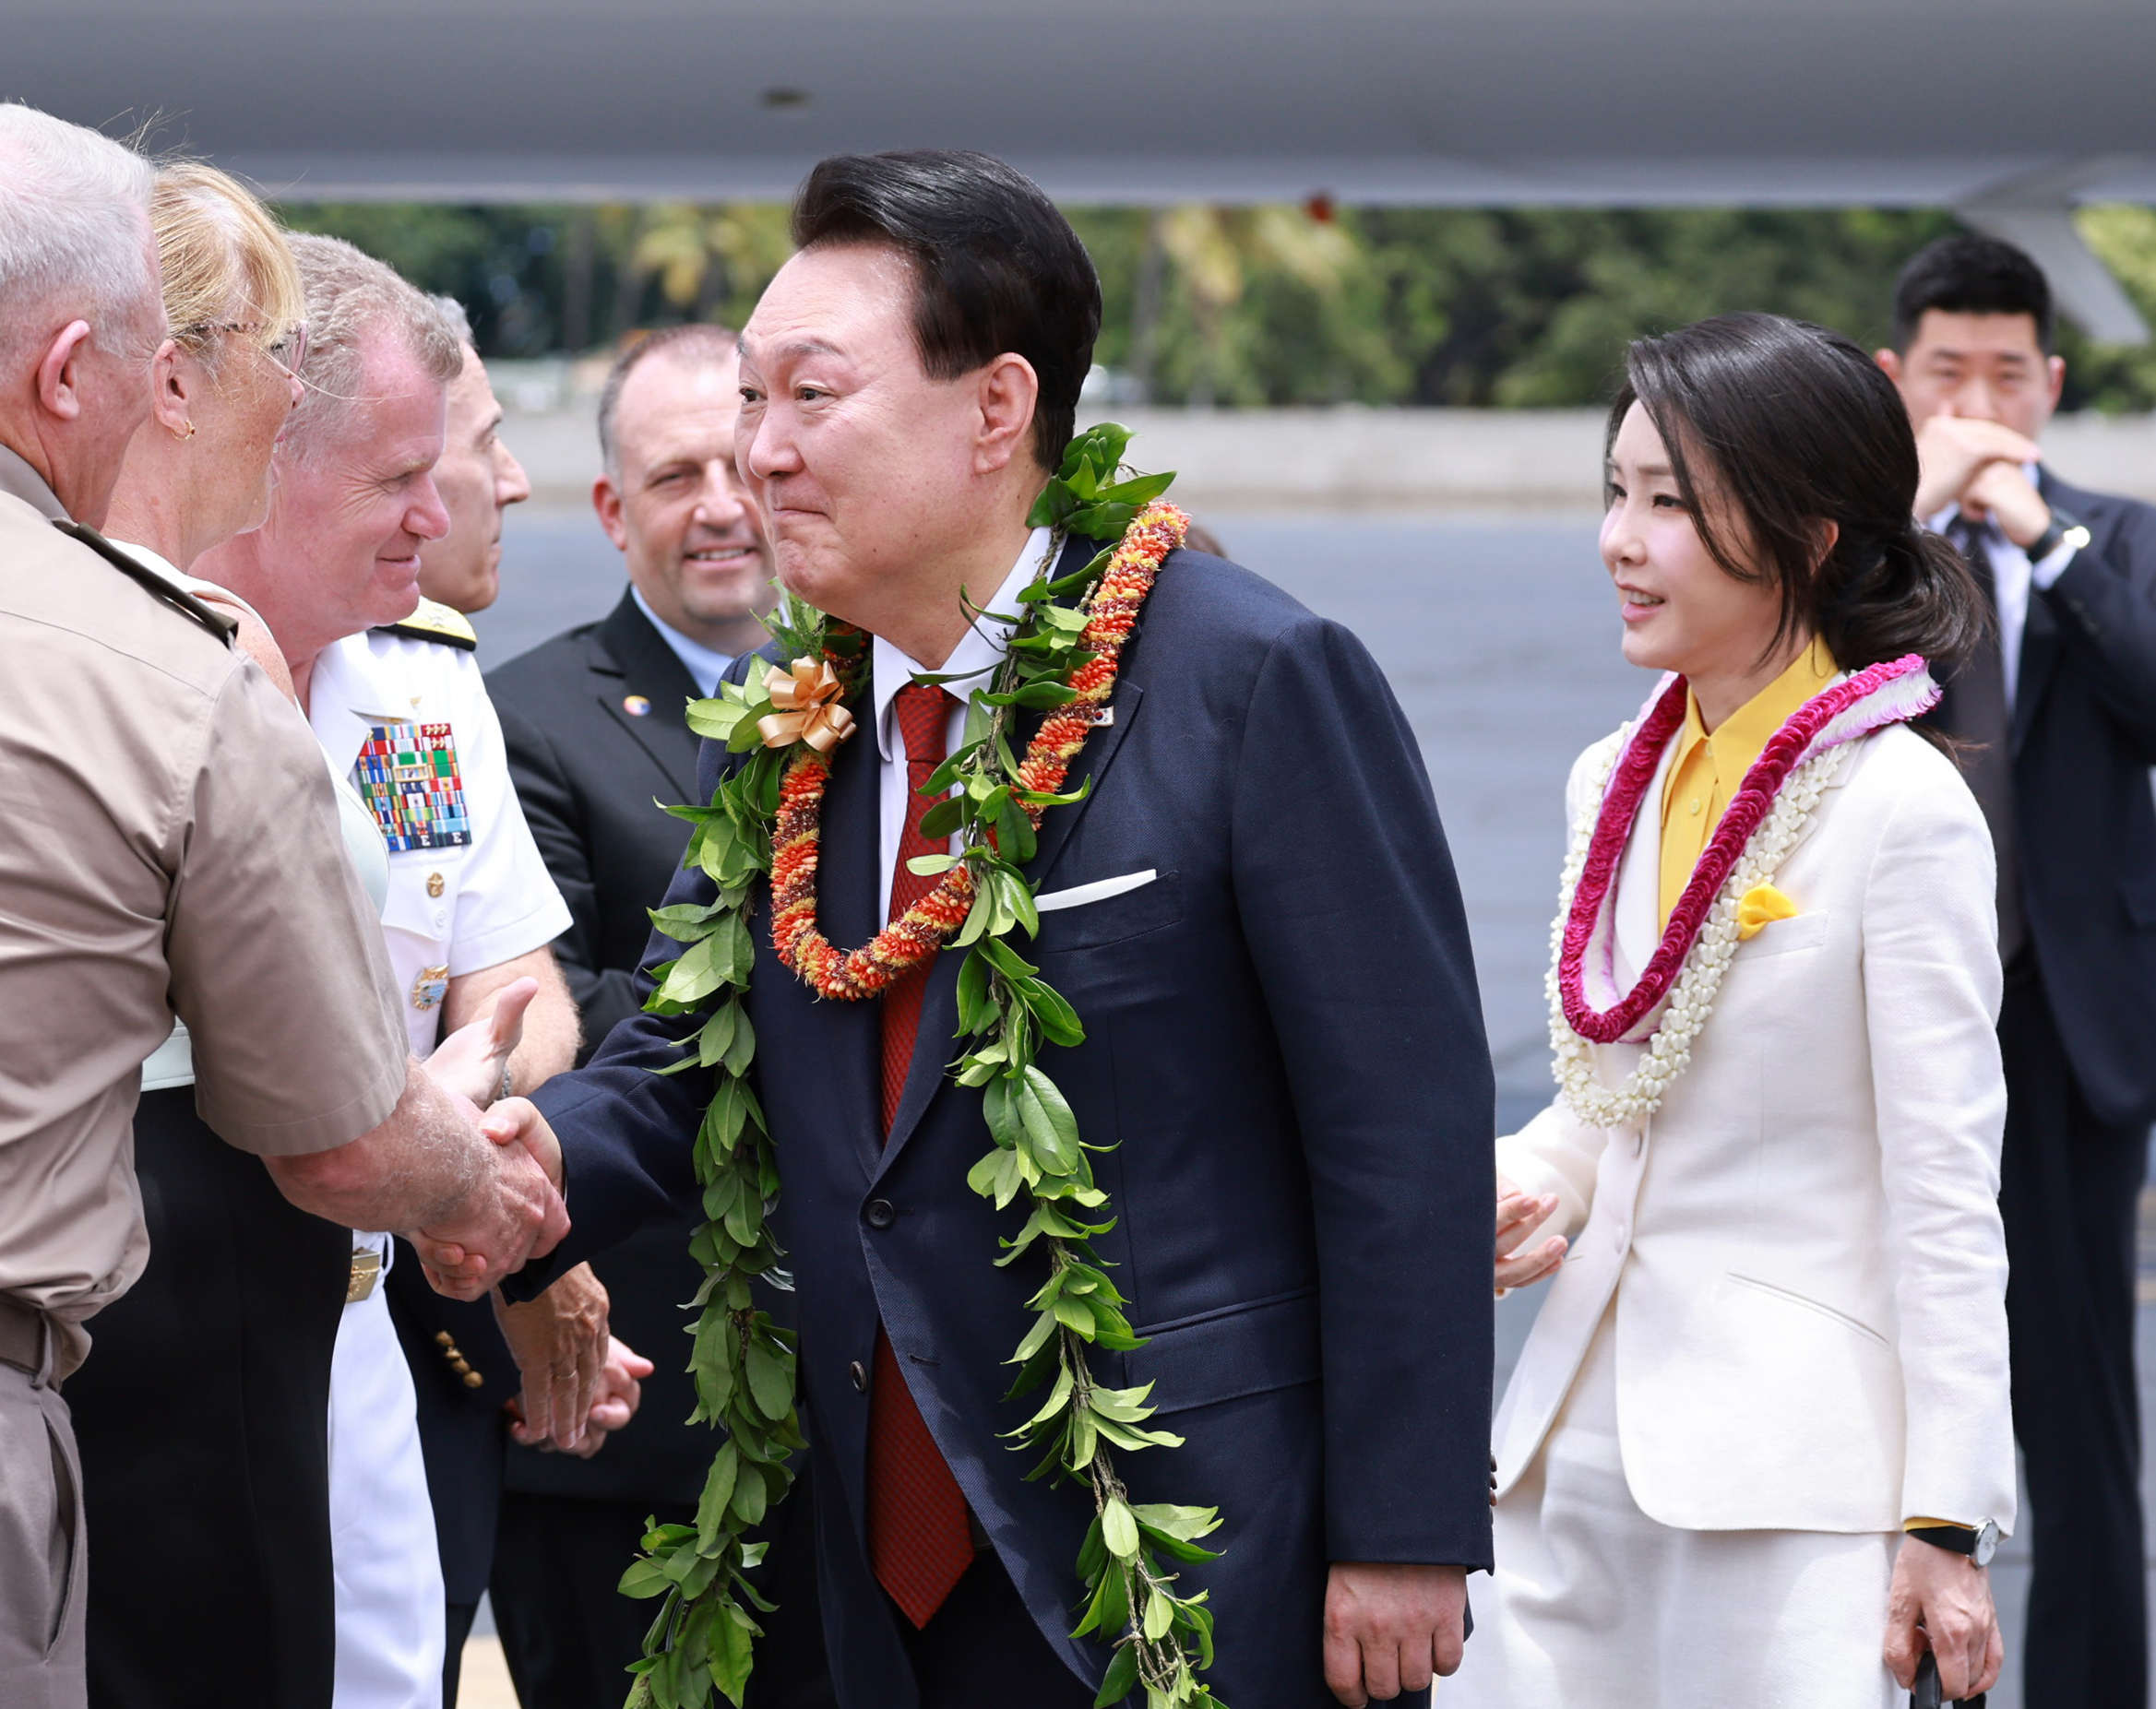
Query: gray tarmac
column 1499, row 634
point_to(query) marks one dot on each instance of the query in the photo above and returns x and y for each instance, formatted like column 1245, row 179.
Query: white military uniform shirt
column 407, row 720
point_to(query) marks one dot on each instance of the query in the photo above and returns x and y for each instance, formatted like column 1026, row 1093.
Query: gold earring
column 183, row 438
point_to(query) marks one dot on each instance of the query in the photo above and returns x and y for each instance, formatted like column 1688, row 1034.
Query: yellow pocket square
column 1760, row 907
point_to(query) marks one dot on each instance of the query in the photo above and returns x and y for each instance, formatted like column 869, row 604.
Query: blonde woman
column 1758, row 1445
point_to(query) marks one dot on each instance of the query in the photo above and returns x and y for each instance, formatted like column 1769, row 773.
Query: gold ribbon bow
column 807, row 698
column 1760, row 907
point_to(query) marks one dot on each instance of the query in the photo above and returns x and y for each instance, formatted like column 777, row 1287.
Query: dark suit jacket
column 2084, row 736
column 589, row 773
column 1284, row 1048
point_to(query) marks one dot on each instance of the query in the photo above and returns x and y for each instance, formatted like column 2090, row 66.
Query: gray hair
column 460, row 322
column 696, row 342
column 74, row 231
column 350, row 299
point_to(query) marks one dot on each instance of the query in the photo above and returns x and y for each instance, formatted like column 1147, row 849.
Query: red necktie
column 919, row 1534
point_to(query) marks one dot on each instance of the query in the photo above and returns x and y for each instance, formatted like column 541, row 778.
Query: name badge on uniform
column 408, row 776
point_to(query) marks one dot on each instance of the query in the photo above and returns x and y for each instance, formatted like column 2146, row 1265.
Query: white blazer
column 1803, row 1244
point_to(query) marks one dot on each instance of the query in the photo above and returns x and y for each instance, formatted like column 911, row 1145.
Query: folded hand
column 619, row 1393
column 560, row 1343
column 1520, row 1216
column 1953, row 450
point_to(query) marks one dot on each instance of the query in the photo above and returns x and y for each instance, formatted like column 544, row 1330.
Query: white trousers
column 389, row 1599
column 1595, row 1605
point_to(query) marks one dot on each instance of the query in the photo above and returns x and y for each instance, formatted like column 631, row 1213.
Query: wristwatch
column 1980, row 1543
column 2062, row 530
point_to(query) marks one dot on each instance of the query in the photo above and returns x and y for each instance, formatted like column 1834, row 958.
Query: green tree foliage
column 2116, row 377
column 1276, row 304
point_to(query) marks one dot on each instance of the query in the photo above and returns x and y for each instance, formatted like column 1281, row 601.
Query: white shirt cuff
column 2052, row 565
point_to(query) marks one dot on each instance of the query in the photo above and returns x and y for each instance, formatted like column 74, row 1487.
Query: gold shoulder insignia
column 434, row 621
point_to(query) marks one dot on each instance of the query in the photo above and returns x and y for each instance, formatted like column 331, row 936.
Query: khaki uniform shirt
column 168, row 846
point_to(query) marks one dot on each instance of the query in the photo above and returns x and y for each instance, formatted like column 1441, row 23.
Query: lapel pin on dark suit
column 635, row 706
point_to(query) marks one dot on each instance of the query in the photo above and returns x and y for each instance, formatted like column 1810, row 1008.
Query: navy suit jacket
column 1285, row 1049
column 2084, row 737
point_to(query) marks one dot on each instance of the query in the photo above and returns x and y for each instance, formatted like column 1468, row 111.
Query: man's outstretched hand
column 1389, row 1629
column 470, row 1060
column 461, row 1260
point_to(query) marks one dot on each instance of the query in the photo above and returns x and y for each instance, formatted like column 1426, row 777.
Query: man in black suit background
column 2060, row 715
column 1253, row 911
column 593, row 723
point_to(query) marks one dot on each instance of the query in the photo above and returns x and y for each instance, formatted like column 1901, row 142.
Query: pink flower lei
column 1853, row 707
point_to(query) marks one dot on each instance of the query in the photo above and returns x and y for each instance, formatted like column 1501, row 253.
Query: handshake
column 506, row 1206
column 475, row 1181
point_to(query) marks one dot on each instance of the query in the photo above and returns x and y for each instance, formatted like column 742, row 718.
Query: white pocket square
column 1077, row 895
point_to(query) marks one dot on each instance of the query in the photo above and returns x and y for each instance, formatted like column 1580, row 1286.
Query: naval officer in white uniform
column 393, row 693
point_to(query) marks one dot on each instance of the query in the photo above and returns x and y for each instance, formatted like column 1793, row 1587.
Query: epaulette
column 218, row 624
column 435, row 621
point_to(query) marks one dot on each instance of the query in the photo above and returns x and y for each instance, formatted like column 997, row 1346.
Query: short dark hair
column 1795, row 426
column 998, row 266
column 1971, row 275
column 697, row 340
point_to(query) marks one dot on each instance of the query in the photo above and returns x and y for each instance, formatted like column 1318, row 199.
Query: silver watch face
column 1987, row 1543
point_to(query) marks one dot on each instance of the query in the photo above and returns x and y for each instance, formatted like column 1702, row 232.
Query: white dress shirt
column 704, row 666
column 2012, row 577
column 978, row 651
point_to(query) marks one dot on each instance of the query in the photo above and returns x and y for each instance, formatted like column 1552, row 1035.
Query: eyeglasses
column 288, row 351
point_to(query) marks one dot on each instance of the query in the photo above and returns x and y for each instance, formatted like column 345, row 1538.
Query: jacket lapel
column 1100, row 745
column 630, row 657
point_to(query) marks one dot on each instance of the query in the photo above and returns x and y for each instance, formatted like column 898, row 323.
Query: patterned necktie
column 920, row 1534
column 1976, row 710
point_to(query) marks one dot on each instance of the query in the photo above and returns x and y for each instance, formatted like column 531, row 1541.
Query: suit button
column 879, row 1214
column 860, row 1377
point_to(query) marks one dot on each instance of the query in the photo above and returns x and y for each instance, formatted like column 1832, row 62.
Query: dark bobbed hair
column 1794, row 426
column 1972, row 275
column 998, row 266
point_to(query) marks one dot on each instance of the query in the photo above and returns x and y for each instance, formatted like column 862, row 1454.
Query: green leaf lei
column 744, row 1364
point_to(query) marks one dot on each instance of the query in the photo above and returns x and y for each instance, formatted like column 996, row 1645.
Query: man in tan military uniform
column 168, row 845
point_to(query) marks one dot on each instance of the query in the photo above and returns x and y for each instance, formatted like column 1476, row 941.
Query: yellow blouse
column 1709, row 768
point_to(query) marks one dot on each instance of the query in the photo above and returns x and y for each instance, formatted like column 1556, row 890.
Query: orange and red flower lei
column 933, row 922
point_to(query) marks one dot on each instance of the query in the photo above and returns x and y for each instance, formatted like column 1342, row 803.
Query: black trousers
column 202, row 1414
column 982, row 1650
column 2069, row 1192
column 568, row 1633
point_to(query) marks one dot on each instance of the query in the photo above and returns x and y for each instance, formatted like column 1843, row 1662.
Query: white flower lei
column 1669, row 1049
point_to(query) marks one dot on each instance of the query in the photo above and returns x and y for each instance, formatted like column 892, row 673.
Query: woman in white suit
column 1761, row 1429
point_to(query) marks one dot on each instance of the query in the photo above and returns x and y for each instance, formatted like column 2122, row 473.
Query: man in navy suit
column 2059, row 716
column 1253, row 911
